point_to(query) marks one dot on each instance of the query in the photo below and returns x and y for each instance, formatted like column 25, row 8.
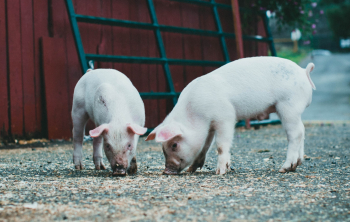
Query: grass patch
column 296, row 57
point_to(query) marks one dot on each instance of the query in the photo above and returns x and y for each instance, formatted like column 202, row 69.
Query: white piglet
column 110, row 100
column 211, row 105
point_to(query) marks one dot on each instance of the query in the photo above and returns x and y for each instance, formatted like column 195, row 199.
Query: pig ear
column 152, row 135
column 165, row 133
column 136, row 129
column 99, row 130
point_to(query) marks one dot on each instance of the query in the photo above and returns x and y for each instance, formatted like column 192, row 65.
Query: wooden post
column 295, row 46
column 239, row 40
column 237, row 27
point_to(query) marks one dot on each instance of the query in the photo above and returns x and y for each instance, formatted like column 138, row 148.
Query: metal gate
column 87, row 60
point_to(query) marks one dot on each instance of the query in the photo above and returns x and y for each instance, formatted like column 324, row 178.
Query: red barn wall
column 40, row 66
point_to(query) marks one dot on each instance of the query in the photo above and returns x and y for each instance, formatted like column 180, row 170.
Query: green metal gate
column 87, row 60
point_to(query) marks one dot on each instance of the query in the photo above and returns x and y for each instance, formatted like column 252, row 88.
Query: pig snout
column 172, row 168
column 120, row 166
column 119, row 170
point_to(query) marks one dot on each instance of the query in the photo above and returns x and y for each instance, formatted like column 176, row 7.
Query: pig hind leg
column 97, row 156
column 294, row 127
column 79, row 118
column 224, row 137
column 199, row 161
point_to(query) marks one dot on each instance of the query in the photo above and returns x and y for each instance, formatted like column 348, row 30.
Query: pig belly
column 255, row 113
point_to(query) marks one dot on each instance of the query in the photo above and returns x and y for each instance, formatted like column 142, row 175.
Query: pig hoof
column 220, row 171
column 223, row 169
column 197, row 164
column 99, row 163
column 100, row 167
column 192, row 169
column 133, row 166
column 292, row 167
column 79, row 167
column 299, row 162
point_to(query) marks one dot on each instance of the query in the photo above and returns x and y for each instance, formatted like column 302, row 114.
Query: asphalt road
column 41, row 184
column 331, row 100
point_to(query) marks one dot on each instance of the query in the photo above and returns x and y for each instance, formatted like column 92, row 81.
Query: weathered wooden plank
column 192, row 43
column 106, row 42
column 237, row 27
column 144, row 75
column 15, row 67
column 121, row 35
column 135, row 44
column 41, row 24
column 211, row 47
column 74, row 71
column 28, row 69
column 4, row 118
column 56, row 88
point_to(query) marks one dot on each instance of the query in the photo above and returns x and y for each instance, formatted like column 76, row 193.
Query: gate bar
column 164, row 28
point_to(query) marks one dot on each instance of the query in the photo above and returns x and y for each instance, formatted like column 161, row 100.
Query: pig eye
column 174, row 146
column 108, row 146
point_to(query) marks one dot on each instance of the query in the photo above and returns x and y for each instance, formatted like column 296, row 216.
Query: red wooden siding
column 38, row 78
column 4, row 118
column 56, row 88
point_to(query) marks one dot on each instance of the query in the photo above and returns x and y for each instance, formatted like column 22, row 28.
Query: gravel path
column 40, row 184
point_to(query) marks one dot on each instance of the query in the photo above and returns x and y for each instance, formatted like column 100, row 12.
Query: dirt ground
column 40, row 183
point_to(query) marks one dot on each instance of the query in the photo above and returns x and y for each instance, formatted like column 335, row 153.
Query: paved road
column 331, row 100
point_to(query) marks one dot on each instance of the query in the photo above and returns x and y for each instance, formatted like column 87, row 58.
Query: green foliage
column 302, row 14
column 288, row 12
column 339, row 20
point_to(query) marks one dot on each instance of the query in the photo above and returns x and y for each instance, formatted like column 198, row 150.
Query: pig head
column 181, row 147
column 119, row 144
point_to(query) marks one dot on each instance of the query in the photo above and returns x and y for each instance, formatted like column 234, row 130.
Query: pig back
column 249, row 85
column 109, row 94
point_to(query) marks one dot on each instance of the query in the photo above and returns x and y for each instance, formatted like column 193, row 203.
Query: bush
column 339, row 20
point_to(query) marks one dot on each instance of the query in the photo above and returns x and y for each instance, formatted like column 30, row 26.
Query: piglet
column 110, row 100
column 210, row 106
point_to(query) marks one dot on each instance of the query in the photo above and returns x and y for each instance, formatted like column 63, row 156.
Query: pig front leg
column 199, row 161
column 295, row 130
column 97, row 156
column 79, row 121
column 224, row 137
column 133, row 166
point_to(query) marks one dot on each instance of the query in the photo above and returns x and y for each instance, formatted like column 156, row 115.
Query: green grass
column 296, row 57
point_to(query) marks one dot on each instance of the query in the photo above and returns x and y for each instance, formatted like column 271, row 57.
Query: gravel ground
column 40, row 184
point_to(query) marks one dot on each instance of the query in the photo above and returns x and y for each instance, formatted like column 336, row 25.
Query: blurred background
column 40, row 62
column 322, row 36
